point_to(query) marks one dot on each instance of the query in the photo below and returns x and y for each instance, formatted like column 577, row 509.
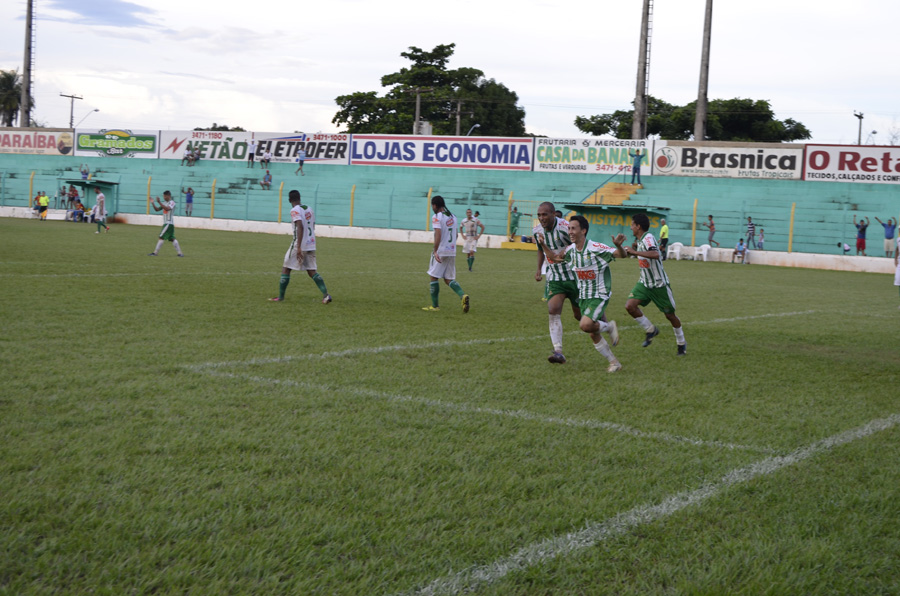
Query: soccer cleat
column 557, row 358
column 97, row 232
column 614, row 367
column 613, row 333
column 326, row 299
column 276, row 299
column 152, row 254
column 650, row 336
column 682, row 350
column 465, row 303
column 431, row 308
column 180, row 255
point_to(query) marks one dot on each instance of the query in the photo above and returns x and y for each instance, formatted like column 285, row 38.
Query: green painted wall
column 395, row 197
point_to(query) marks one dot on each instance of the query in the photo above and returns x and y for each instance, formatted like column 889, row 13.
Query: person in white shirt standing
column 443, row 254
column 168, row 229
column 99, row 211
column 251, row 153
column 301, row 256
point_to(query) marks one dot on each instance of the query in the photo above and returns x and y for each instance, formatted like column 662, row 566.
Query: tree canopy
column 442, row 92
column 222, row 127
column 727, row 120
column 10, row 97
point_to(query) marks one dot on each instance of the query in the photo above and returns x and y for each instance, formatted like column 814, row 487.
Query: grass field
column 167, row 430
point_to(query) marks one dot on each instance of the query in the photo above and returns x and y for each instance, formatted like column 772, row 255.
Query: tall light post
column 474, row 126
column 859, row 135
column 85, row 116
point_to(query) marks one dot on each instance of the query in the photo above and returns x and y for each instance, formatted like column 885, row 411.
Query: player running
column 590, row 262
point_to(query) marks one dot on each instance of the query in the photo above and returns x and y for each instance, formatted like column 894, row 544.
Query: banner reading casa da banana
column 488, row 153
column 116, row 142
column 589, row 156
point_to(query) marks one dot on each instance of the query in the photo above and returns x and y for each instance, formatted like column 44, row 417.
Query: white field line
column 470, row 409
column 447, row 344
column 476, row 577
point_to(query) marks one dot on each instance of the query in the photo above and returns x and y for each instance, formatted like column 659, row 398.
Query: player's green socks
column 455, row 287
column 320, row 283
column 435, row 289
column 470, row 261
column 283, row 284
column 99, row 225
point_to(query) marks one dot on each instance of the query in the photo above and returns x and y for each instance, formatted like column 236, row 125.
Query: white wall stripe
column 473, row 578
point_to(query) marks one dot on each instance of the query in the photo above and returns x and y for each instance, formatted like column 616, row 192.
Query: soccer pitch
column 166, row 429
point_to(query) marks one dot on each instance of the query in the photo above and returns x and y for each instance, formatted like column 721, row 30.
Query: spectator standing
column 251, row 153
column 663, row 239
column 85, row 172
column 266, row 182
column 712, row 230
column 751, row 233
column 188, row 201
column 761, row 240
column 73, row 195
column 889, row 229
column 861, row 234
column 637, row 157
column 301, row 157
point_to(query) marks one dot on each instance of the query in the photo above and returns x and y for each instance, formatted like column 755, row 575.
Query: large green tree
column 442, row 92
column 10, row 97
column 728, row 120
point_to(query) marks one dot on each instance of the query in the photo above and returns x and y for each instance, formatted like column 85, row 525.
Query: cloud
column 109, row 13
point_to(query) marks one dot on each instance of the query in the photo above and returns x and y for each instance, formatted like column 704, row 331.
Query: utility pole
column 459, row 113
column 418, row 91
column 25, row 100
column 859, row 136
column 639, row 120
column 702, row 99
column 72, row 99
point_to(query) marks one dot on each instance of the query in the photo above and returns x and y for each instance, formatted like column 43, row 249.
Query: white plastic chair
column 702, row 252
column 675, row 249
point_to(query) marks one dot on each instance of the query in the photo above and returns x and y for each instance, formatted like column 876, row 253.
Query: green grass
column 165, row 429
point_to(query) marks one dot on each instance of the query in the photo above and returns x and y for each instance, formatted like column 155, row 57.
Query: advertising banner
column 488, row 153
column 853, row 163
column 320, row 147
column 211, row 144
column 589, row 155
column 728, row 162
column 117, row 142
column 45, row 141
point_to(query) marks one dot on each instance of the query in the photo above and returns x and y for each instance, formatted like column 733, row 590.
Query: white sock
column 603, row 347
column 679, row 335
column 645, row 323
column 604, row 327
column 158, row 246
column 556, row 332
column 177, row 247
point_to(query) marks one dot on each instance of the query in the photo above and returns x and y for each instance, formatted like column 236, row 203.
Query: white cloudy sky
column 277, row 65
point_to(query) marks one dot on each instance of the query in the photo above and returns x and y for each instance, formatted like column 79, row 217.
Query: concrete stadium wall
column 396, row 198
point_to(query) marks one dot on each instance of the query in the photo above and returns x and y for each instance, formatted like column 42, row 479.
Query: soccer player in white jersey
column 469, row 228
column 590, row 261
column 168, row 229
column 443, row 254
column 301, row 256
column 100, row 211
column 552, row 233
column 653, row 285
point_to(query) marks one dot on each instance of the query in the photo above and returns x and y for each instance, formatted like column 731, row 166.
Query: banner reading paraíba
column 589, row 155
column 853, row 163
column 734, row 161
column 489, row 153
column 43, row 141
column 116, row 142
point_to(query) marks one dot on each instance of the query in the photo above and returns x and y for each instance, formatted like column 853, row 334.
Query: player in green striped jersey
column 590, row 263
column 553, row 233
column 653, row 285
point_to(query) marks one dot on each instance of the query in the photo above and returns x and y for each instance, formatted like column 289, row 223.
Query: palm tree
column 10, row 97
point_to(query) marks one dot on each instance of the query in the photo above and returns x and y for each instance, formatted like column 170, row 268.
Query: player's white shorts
column 306, row 263
column 446, row 269
column 469, row 245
